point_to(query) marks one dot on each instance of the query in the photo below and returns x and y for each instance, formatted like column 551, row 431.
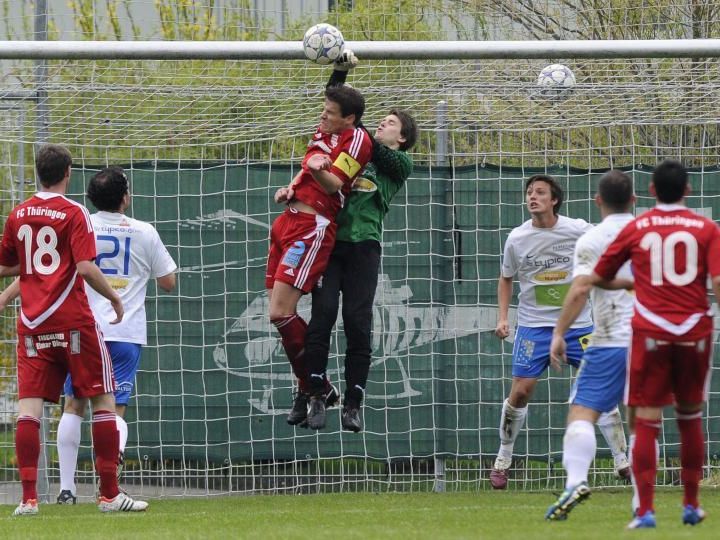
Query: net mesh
column 207, row 143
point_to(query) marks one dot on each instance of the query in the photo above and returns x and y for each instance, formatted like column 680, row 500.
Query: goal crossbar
column 370, row 50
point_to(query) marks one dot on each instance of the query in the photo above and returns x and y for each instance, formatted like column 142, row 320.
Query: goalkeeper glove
column 346, row 61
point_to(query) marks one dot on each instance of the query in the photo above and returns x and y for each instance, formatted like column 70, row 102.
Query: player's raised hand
column 346, row 61
column 117, row 306
column 284, row 194
column 558, row 349
column 319, row 162
column 502, row 330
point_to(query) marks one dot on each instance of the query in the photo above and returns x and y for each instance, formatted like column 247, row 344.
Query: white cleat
column 622, row 467
column 28, row 508
column 121, row 503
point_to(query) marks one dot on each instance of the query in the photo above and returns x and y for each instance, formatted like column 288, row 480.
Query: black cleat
column 298, row 413
column 316, row 414
column 66, row 497
column 351, row 419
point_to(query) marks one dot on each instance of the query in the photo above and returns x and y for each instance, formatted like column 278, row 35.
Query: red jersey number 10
column 662, row 257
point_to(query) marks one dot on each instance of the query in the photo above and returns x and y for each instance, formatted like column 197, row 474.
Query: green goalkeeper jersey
column 369, row 201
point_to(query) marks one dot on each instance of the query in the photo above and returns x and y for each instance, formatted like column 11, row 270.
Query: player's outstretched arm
column 572, row 307
column 502, row 330
column 341, row 66
column 10, row 294
column 95, row 278
column 615, row 284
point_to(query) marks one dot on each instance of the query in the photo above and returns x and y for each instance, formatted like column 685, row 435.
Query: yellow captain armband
column 347, row 164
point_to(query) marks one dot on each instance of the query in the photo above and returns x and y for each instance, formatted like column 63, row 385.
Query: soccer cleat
column 692, row 515
column 121, row 503
column 351, row 419
column 298, row 413
column 316, row 413
column 27, row 508
column 622, row 468
column 332, row 398
column 646, row 521
column 499, row 474
column 66, row 497
column 568, row 500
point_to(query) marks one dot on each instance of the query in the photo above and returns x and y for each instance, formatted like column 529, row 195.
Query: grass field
column 483, row 515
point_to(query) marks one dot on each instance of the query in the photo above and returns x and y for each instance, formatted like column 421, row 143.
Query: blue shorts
column 125, row 362
column 600, row 383
column 531, row 350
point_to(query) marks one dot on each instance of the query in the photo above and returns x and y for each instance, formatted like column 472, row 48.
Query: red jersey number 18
column 46, row 243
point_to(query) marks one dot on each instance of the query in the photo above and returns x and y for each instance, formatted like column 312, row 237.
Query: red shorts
column 664, row 372
column 300, row 247
column 44, row 360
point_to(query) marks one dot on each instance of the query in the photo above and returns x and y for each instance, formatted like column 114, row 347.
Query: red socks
column 106, row 442
column 27, row 451
column 292, row 331
column 692, row 452
column 644, row 461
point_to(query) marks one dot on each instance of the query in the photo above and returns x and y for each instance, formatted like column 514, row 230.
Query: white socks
column 68, row 444
column 578, row 451
column 611, row 427
column 123, row 431
column 512, row 420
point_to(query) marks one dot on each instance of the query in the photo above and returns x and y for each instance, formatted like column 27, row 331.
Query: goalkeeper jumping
column 354, row 266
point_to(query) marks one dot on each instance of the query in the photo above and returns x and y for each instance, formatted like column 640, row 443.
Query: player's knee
column 688, row 408
column 75, row 406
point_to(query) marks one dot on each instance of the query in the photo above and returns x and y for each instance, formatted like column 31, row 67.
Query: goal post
column 208, row 131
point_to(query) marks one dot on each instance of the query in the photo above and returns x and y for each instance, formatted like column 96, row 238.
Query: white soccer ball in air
column 323, row 43
column 555, row 80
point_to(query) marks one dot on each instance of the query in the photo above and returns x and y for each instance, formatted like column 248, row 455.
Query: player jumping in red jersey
column 302, row 237
column 672, row 250
column 48, row 241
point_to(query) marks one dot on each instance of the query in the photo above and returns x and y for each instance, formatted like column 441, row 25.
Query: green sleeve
column 393, row 163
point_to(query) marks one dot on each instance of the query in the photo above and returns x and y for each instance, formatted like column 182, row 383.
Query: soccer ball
column 323, row 43
column 555, row 81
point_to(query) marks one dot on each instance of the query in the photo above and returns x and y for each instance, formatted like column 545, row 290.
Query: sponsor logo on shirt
column 551, row 276
column 118, row 283
column 547, row 263
column 364, row 184
column 563, row 246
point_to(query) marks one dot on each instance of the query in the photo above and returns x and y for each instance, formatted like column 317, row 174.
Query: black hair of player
column 107, row 189
column 616, row 190
column 670, row 179
column 556, row 191
column 408, row 128
column 51, row 163
column 348, row 99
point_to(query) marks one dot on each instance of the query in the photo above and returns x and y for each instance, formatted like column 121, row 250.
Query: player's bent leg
column 611, row 427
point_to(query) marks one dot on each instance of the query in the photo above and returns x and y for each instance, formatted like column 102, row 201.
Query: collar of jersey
column 619, row 217
column 47, row 195
column 670, row 207
column 110, row 216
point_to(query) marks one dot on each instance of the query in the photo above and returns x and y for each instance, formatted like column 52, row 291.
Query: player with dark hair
column 601, row 378
column 354, row 265
column 302, row 237
column 540, row 253
column 673, row 251
column 48, row 241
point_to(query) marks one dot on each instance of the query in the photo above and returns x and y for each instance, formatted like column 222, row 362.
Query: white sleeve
column 161, row 263
column 509, row 261
column 585, row 258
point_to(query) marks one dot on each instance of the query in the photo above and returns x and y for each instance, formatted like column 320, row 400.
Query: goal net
column 206, row 144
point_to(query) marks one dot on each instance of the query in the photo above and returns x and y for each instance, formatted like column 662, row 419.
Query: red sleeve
column 8, row 249
column 354, row 153
column 713, row 256
column 82, row 237
column 616, row 253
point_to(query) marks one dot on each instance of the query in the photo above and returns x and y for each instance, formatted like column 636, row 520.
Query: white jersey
column 612, row 310
column 542, row 260
column 129, row 253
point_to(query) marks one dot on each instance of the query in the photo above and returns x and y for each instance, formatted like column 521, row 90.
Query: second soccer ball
column 323, row 43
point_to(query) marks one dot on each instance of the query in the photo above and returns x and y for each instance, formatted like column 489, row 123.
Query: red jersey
column 672, row 251
column 48, row 235
column 349, row 151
